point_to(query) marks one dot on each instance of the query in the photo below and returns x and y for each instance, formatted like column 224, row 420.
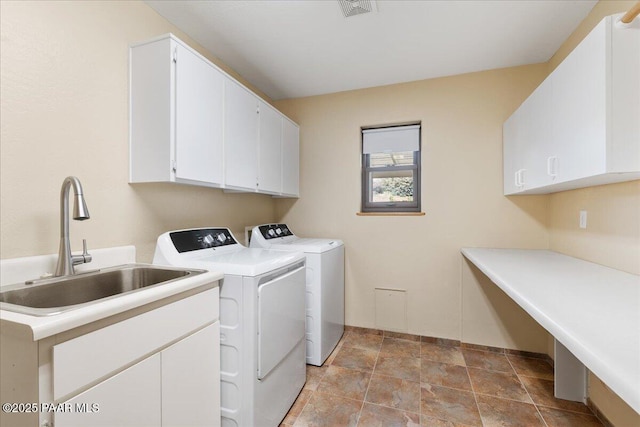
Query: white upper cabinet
column 270, row 149
column 176, row 115
column 290, row 158
column 199, row 96
column 261, row 145
column 241, row 123
column 581, row 126
column 192, row 123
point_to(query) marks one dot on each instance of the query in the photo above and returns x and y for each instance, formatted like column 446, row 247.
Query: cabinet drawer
column 91, row 357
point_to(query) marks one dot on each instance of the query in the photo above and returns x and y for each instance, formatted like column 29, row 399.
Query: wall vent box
column 391, row 309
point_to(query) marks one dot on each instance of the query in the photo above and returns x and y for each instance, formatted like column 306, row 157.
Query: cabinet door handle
column 552, row 166
column 520, row 178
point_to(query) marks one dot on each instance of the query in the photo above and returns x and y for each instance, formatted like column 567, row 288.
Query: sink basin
column 59, row 294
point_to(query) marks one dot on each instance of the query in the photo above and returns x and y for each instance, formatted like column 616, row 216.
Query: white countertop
column 594, row 311
column 20, row 269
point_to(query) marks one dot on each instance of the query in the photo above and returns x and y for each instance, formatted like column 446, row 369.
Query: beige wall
column 64, row 110
column 462, row 120
column 612, row 236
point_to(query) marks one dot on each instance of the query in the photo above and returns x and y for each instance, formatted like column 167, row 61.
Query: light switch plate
column 583, row 219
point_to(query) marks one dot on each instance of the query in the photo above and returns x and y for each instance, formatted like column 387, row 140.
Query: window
column 391, row 169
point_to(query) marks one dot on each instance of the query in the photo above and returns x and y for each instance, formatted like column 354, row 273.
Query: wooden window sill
column 390, row 213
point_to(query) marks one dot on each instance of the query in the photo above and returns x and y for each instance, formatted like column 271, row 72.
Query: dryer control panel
column 272, row 231
column 193, row 240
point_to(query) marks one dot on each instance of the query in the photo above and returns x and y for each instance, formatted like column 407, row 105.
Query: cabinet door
column 579, row 109
column 527, row 139
column 198, row 103
column 538, row 137
column 191, row 380
column 290, row 158
column 130, row 398
column 241, row 137
column 270, row 150
column 512, row 135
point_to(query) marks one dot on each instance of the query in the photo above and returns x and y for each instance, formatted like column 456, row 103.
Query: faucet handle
column 85, row 257
column 85, row 254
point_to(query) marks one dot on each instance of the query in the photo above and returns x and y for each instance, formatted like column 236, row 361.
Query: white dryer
column 262, row 321
column 324, row 280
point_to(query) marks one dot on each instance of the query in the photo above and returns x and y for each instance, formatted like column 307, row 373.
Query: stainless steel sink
column 59, row 294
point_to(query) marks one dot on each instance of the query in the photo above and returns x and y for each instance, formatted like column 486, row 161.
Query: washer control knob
column 272, row 232
column 278, row 231
column 222, row 237
column 207, row 240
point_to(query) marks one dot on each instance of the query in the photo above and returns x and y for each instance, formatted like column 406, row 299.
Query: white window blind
column 392, row 139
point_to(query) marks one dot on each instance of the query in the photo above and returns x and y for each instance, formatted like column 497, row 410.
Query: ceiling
column 296, row 48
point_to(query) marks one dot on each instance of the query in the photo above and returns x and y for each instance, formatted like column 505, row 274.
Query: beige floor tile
column 410, row 383
column 345, row 382
column 380, row 416
column 394, row 392
column 400, row 347
column 441, row 353
column 497, row 412
column 498, row 384
column 434, row 422
column 364, row 341
column 356, row 358
column 314, row 376
column 325, row 410
column 541, row 391
column 560, row 418
column 297, row 407
column 486, row 360
column 335, row 351
column 444, row 374
column 402, row 336
column 531, row 367
column 443, row 403
column 407, row 368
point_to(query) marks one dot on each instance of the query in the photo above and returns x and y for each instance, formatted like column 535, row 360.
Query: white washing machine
column 324, row 282
column 262, row 321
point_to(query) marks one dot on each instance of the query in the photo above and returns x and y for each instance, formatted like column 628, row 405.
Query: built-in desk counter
column 592, row 311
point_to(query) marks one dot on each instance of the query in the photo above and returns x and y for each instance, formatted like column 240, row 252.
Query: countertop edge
column 45, row 326
column 623, row 385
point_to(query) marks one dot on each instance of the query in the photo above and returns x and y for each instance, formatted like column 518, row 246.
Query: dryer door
column 281, row 314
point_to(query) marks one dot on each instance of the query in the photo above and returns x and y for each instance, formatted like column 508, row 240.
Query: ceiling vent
column 357, row 7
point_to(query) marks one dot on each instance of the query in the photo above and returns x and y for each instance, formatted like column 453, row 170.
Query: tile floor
column 378, row 380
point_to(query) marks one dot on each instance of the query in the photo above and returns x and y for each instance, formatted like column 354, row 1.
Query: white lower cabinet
column 175, row 387
column 157, row 365
column 131, row 398
column 191, row 380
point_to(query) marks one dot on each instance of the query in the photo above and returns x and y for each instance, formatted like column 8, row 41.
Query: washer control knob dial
column 272, row 232
column 222, row 237
column 207, row 240
column 278, row 231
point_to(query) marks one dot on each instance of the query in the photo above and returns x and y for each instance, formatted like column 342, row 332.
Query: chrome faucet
column 66, row 261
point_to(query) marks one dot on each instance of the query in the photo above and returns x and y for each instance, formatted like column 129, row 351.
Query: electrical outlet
column 583, row 219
